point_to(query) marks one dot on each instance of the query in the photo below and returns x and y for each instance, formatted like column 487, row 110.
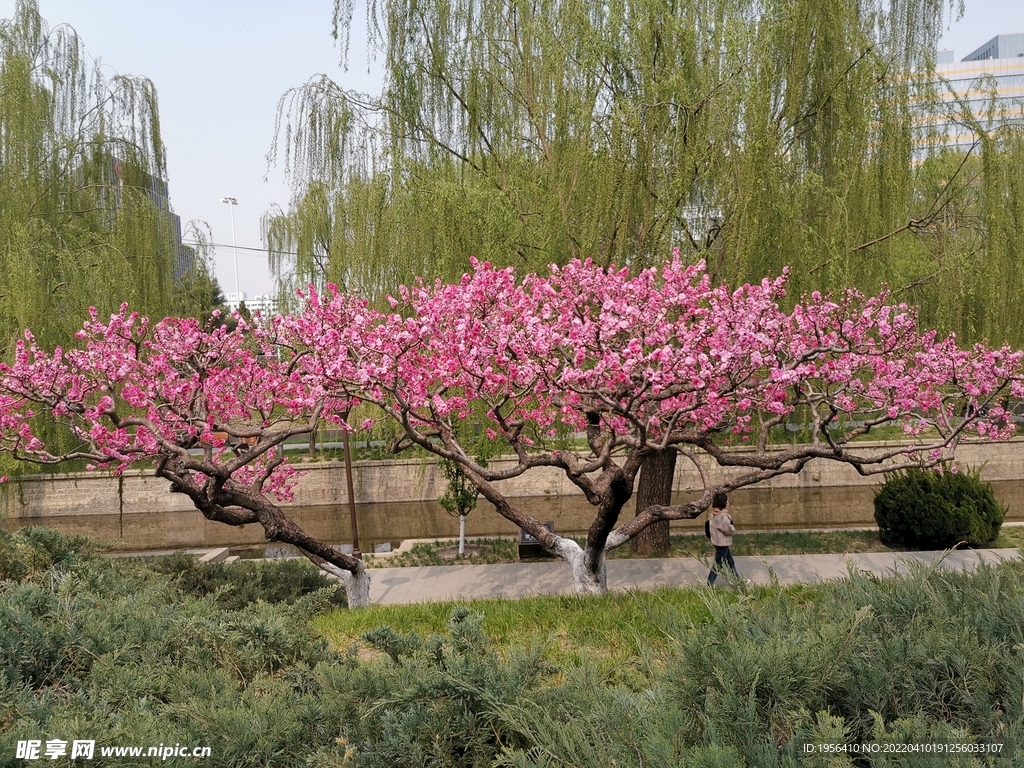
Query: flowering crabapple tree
column 637, row 365
column 209, row 408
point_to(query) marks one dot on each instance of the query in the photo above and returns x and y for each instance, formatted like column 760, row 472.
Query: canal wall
column 405, row 481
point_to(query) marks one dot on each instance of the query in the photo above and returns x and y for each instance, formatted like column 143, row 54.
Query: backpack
column 707, row 527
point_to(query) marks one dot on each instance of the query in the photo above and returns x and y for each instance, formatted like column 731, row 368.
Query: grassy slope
column 613, row 627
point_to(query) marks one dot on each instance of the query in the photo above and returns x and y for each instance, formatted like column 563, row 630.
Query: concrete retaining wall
column 396, row 481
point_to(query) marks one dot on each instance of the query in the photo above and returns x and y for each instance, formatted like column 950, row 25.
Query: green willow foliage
column 753, row 134
column 83, row 214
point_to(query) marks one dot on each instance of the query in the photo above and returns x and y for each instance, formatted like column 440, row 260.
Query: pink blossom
column 633, row 362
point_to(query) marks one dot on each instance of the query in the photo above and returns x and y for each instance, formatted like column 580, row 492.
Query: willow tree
column 754, row 134
column 84, row 218
column 533, row 132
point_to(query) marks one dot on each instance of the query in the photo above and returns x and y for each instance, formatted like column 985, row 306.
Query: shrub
column 114, row 651
column 236, row 585
column 937, row 509
column 34, row 548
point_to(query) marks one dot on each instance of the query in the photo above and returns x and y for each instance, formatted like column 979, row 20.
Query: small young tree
column 644, row 364
column 211, row 409
column 460, row 498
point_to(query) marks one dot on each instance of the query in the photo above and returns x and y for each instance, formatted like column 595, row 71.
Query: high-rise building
column 989, row 80
column 999, row 47
column 182, row 257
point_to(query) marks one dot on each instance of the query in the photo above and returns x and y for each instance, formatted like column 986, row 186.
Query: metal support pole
column 234, row 253
column 356, row 553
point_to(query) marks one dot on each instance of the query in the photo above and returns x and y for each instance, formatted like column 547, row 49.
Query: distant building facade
column 183, row 257
column 990, row 80
column 999, row 47
column 264, row 303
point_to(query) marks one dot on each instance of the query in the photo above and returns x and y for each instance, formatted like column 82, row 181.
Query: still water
column 762, row 509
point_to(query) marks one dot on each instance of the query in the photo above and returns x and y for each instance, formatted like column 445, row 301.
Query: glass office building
column 989, row 82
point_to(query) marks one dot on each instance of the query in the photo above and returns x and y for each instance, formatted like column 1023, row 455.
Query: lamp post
column 232, row 202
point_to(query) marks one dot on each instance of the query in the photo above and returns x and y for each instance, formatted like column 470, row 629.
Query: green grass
column 614, row 627
column 1009, row 537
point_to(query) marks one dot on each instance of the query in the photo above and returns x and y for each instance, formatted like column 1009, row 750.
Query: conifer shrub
column 12, row 568
column 935, row 509
column 235, row 585
column 37, row 548
column 112, row 650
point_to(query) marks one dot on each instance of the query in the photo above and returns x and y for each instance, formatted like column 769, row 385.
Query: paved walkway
column 474, row 582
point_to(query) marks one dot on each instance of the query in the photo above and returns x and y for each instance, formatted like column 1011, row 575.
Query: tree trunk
column 654, row 487
column 311, row 448
column 356, row 583
column 589, row 574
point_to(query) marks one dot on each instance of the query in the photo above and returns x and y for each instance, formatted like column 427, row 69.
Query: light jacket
column 722, row 529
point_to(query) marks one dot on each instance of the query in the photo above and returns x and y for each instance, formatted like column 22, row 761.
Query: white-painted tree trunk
column 587, row 579
column 462, row 535
column 357, row 585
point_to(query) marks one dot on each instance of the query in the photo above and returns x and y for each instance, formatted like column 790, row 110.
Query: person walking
column 722, row 529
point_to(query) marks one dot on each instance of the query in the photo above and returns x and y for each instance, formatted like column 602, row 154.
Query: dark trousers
column 722, row 555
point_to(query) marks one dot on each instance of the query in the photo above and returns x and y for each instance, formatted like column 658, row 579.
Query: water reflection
column 753, row 509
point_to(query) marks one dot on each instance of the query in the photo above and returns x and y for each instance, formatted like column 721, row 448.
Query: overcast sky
column 220, row 67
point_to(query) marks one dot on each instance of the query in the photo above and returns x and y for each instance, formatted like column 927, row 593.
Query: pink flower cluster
column 653, row 358
column 141, row 392
column 656, row 354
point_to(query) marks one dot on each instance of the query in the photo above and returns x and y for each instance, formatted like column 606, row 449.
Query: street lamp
column 232, row 202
